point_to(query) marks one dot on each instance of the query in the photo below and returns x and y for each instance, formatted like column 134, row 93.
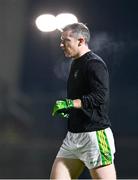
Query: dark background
column 29, row 136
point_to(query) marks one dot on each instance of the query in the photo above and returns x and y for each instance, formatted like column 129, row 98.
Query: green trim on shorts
column 104, row 147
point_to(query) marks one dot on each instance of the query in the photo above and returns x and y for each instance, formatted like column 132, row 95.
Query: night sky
column 114, row 30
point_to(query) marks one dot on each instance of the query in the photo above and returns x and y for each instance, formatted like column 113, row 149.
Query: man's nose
column 61, row 45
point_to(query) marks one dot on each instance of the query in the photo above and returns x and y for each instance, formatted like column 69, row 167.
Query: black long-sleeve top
column 89, row 81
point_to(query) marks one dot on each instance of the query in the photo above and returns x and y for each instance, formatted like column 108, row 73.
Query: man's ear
column 81, row 40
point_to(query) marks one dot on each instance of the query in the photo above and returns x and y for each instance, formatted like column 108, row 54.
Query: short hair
column 79, row 29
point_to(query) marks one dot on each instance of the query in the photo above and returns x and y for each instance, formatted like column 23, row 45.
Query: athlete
column 89, row 141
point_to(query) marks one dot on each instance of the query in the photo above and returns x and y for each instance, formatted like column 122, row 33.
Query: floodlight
column 46, row 22
column 64, row 19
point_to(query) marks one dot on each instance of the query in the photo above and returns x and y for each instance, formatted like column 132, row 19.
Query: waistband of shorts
column 89, row 131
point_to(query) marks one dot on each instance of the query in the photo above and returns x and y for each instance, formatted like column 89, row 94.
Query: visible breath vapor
column 61, row 68
column 112, row 50
column 103, row 42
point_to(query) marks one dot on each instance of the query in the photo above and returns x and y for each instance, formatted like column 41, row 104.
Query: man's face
column 70, row 45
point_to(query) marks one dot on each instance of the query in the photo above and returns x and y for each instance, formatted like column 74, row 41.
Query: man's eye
column 63, row 41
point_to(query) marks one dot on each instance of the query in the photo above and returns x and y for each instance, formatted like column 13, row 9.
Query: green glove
column 61, row 106
column 64, row 114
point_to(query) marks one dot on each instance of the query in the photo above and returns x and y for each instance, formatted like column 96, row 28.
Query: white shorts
column 95, row 148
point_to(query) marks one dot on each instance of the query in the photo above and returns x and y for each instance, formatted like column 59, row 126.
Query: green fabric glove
column 63, row 114
column 61, row 106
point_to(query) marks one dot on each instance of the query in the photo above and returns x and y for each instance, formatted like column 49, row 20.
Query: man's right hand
column 61, row 107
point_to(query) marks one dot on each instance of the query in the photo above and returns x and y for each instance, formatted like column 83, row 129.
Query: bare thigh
column 104, row 172
column 64, row 168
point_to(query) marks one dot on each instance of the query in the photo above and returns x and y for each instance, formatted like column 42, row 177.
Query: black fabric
column 89, row 81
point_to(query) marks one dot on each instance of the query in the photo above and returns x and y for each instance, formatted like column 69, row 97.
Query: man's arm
column 98, row 78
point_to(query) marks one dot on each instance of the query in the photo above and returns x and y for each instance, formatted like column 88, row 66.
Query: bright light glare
column 64, row 19
column 46, row 22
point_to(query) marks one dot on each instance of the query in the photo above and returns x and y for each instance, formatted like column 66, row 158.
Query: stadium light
column 49, row 22
column 64, row 19
column 46, row 22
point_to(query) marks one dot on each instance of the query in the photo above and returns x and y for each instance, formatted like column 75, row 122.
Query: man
column 89, row 141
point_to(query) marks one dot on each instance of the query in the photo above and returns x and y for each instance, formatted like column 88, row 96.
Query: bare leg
column 66, row 169
column 104, row 172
